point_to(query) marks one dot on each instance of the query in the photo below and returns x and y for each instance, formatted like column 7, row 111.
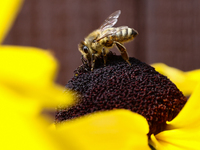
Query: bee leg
column 83, row 60
column 123, row 52
column 93, row 62
column 104, row 56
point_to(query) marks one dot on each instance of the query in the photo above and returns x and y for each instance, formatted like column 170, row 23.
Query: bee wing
column 111, row 32
column 110, row 21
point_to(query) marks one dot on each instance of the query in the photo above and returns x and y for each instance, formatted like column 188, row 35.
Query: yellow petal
column 118, row 130
column 189, row 116
column 188, row 139
column 185, row 81
column 183, row 132
column 21, row 126
column 8, row 12
column 26, row 86
column 12, row 102
column 19, row 131
column 164, row 145
column 31, row 72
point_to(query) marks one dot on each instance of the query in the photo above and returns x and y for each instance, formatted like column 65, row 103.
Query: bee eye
column 85, row 49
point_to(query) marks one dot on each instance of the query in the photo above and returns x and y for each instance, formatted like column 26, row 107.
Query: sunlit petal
column 179, row 139
column 185, row 81
column 190, row 114
column 12, row 102
column 31, row 72
column 183, row 132
column 22, row 100
column 22, row 131
column 22, row 127
column 118, row 129
column 164, row 145
column 8, row 12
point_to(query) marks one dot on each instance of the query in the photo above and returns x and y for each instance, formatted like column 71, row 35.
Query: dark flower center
column 138, row 88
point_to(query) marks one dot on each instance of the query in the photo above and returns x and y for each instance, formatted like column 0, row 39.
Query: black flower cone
column 138, row 88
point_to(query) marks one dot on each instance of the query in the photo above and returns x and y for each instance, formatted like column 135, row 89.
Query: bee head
column 83, row 48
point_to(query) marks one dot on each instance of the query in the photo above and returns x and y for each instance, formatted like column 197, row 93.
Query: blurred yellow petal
column 24, row 94
column 22, row 126
column 11, row 102
column 31, row 72
column 185, row 81
column 118, row 130
column 8, row 13
column 21, row 131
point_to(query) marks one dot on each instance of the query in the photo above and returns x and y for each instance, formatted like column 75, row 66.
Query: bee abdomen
column 122, row 36
column 126, row 35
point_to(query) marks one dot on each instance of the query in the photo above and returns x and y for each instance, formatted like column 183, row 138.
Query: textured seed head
column 138, row 88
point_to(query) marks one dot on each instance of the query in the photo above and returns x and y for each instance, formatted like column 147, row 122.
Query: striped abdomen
column 121, row 36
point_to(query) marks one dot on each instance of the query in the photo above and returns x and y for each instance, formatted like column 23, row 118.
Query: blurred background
column 169, row 31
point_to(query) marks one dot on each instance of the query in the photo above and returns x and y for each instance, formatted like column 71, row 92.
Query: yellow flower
column 8, row 13
column 27, row 91
column 180, row 78
column 117, row 130
column 183, row 132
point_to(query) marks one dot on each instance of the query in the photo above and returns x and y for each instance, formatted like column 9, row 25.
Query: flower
column 28, row 93
column 117, row 129
column 138, row 88
column 180, row 78
column 8, row 13
column 153, row 96
column 27, row 90
column 183, row 132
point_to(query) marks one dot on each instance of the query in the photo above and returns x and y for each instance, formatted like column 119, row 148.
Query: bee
column 101, row 40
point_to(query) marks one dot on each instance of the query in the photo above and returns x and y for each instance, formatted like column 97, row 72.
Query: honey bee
column 101, row 40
